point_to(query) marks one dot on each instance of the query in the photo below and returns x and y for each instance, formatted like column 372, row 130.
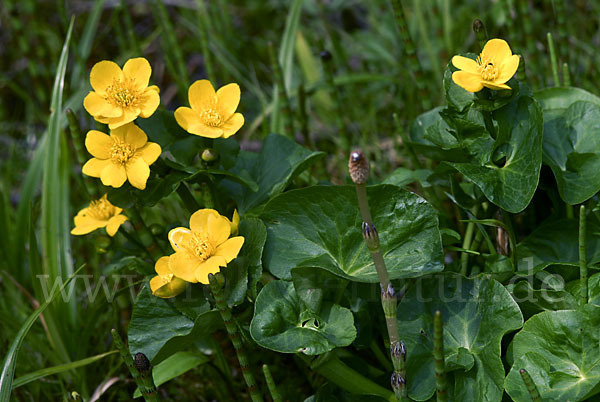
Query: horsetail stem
column 441, row 385
column 326, row 59
column 583, row 272
column 271, row 384
column 553, row 60
column 480, row 32
column 566, row 75
column 149, row 394
column 217, row 281
column 358, row 166
column 142, row 364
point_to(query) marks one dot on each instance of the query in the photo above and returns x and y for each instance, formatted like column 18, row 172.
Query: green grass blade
column 85, row 45
column 55, row 191
column 36, row 375
column 286, row 57
column 10, row 361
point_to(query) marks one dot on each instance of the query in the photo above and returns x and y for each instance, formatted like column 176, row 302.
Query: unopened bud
column 142, row 364
column 501, row 241
column 371, row 236
column 480, row 32
column 102, row 244
column 217, row 281
column 358, row 165
column 209, row 156
column 388, row 300
column 157, row 229
column 478, row 25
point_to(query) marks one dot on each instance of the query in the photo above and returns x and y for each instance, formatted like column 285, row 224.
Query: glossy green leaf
column 535, row 300
column 477, row 313
column 161, row 327
column 559, row 350
column 518, row 141
column 402, row 176
column 277, row 164
column 557, row 242
column 174, row 366
column 320, row 226
column 255, row 236
column 283, row 323
column 571, row 141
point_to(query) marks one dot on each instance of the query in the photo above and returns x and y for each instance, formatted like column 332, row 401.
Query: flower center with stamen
column 487, row 68
column 101, row 209
column 121, row 152
column 200, row 246
column 123, row 93
column 211, row 117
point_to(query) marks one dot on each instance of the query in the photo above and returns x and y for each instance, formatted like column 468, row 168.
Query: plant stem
column 135, row 374
column 187, row 198
column 464, row 257
column 566, row 75
column 75, row 131
column 217, row 281
column 480, row 33
column 438, row 355
column 326, row 60
column 145, row 235
column 359, row 172
column 530, row 385
column 553, row 60
column 583, row 272
column 271, row 384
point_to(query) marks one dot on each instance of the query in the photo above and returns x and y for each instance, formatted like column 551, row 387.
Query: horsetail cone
column 358, row 165
column 142, row 364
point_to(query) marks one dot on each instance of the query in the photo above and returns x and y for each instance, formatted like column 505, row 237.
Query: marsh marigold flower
column 124, row 155
column 212, row 114
column 165, row 284
column 203, row 248
column 493, row 68
column 120, row 96
column 99, row 214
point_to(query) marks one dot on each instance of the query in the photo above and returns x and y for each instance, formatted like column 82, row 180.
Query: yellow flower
column 235, row 222
column 99, row 214
column 124, row 155
column 120, row 96
column 493, row 68
column 165, row 284
column 211, row 115
column 204, row 248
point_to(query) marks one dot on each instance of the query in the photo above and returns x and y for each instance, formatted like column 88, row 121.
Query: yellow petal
column 104, row 120
column 187, row 118
column 210, row 266
column 114, row 223
column 465, row 64
column 154, row 88
column 94, row 167
column 98, row 144
column 508, row 68
column 151, row 102
column 183, row 265
column 103, row 74
column 149, row 152
column 171, row 289
column 235, row 222
column 470, row 82
column 113, row 175
column 493, row 85
column 128, row 116
column 199, row 219
column 201, row 95
column 232, row 125
column 135, row 136
column 228, row 98
column 139, row 70
column 156, row 283
column 219, row 229
column 230, row 249
column 162, row 266
column 96, row 105
column 86, row 224
column 179, row 237
column 497, row 49
column 137, row 172
column 206, row 131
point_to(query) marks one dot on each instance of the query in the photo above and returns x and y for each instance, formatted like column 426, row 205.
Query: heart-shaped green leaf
column 518, row 142
column 282, row 322
column 559, row 350
column 571, row 140
column 320, row 226
column 161, row 327
column 277, row 164
column 477, row 313
column 557, row 242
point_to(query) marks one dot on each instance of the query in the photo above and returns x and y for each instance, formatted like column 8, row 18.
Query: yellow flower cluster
column 118, row 97
column 199, row 251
